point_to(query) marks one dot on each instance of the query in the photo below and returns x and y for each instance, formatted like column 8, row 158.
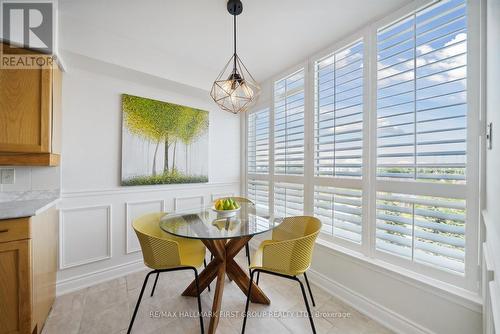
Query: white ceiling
column 189, row 41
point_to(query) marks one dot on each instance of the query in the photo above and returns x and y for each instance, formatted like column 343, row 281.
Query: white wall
column 96, row 241
column 491, row 213
column 402, row 303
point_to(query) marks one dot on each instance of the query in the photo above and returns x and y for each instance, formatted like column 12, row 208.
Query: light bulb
column 247, row 90
column 228, row 87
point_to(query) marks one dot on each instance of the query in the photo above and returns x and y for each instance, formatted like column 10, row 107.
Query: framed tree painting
column 163, row 143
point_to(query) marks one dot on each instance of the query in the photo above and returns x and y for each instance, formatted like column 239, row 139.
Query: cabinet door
column 15, row 287
column 25, row 110
column 44, row 245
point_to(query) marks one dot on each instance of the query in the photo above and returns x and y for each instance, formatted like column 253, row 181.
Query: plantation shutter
column 427, row 229
column 421, row 135
column 340, row 211
column 288, row 199
column 421, row 96
column 338, row 141
column 338, row 124
column 289, row 124
column 258, row 193
column 258, row 142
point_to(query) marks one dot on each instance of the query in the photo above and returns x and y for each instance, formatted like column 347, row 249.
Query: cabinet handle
column 4, row 231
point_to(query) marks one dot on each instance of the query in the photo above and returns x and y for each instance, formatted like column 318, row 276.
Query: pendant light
column 235, row 90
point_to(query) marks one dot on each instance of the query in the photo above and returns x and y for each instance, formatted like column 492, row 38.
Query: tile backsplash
column 33, row 179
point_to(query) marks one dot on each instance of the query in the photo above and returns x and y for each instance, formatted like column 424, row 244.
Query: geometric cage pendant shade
column 235, row 90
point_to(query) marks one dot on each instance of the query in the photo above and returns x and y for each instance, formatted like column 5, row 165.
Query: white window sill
column 469, row 299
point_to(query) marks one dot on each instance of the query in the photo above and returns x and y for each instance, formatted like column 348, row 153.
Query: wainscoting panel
column 85, row 235
column 134, row 210
column 189, row 202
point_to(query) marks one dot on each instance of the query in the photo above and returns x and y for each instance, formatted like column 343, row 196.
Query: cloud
column 439, row 60
column 434, row 60
column 425, row 48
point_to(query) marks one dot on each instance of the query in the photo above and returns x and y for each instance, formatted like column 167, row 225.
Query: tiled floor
column 106, row 308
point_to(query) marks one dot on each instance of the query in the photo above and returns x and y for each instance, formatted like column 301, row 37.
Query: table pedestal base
column 224, row 264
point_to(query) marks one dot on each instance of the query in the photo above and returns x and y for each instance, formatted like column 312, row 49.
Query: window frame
column 368, row 183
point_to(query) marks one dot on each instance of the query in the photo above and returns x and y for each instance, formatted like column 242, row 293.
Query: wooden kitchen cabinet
column 30, row 115
column 15, row 287
column 28, row 265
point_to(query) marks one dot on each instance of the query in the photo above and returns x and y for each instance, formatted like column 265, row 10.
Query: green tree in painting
column 192, row 124
column 171, row 135
column 150, row 119
column 160, row 122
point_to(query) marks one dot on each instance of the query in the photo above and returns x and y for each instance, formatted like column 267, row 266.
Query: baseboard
column 390, row 319
column 99, row 276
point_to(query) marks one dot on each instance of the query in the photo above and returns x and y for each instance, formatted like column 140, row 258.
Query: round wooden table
column 224, row 237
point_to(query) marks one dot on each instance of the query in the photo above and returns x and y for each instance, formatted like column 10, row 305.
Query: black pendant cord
column 234, row 37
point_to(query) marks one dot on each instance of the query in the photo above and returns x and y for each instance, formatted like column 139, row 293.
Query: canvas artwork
column 163, row 143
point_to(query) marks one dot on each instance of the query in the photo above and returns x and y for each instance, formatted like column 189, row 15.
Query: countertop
column 26, row 204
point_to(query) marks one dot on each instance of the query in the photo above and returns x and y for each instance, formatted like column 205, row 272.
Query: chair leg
column 154, row 285
column 310, row 291
column 199, row 300
column 205, row 264
column 307, row 305
column 248, row 302
column 258, row 278
column 138, row 302
column 247, row 250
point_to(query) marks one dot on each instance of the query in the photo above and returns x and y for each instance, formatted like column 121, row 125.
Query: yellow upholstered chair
column 287, row 255
column 164, row 252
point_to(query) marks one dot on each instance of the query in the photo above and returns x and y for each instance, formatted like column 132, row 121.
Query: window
column 422, row 133
column 288, row 199
column 258, row 158
column 258, row 142
column 258, row 192
column 373, row 137
column 338, row 123
column 340, row 211
column 338, row 141
column 421, row 95
column 427, row 229
column 289, row 124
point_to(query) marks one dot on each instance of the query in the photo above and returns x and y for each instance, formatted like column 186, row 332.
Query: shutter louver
column 289, row 124
column 288, row 199
column 258, row 192
column 258, row 142
column 422, row 228
column 340, row 211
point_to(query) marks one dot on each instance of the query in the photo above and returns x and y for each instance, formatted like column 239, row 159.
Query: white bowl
column 226, row 213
